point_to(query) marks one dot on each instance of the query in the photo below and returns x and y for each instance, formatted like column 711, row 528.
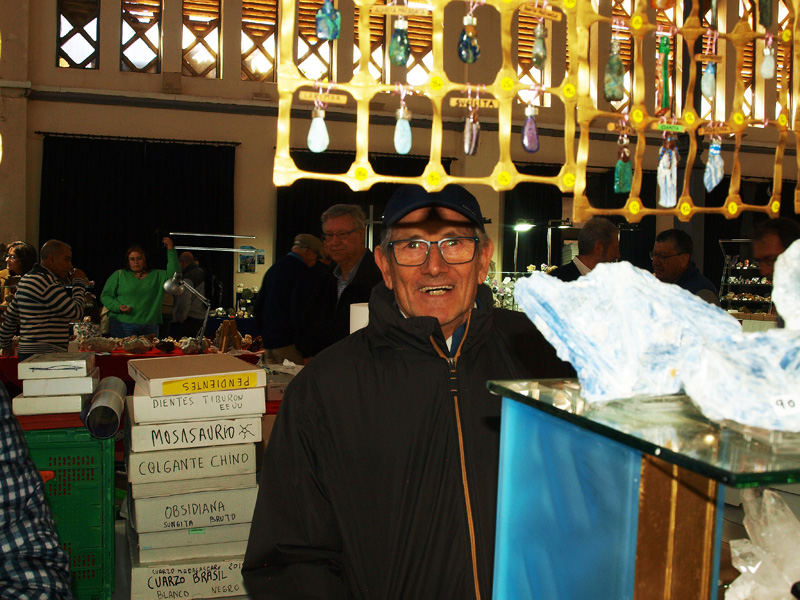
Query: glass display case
column 619, row 499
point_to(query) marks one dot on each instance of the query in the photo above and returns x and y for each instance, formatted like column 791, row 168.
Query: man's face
column 61, row 263
column 435, row 288
column 765, row 251
column 611, row 252
column 668, row 265
column 344, row 242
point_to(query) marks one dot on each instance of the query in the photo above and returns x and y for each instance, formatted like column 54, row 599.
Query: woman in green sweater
column 133, row 295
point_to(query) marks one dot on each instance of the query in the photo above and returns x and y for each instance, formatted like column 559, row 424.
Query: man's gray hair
column 351, row 210
column 52, row 248
column 597, row 229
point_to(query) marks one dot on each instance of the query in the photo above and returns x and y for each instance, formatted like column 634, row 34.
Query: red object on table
column 52, row 421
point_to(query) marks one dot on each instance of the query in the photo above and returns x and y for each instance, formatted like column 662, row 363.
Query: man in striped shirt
column 42, row 308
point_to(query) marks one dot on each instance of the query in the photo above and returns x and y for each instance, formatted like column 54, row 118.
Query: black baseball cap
column 408, row 198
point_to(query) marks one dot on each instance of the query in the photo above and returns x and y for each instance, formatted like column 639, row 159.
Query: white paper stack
column 191, row 433
column 56, row 383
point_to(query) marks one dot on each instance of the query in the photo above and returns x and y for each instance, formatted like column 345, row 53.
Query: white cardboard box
column 190, row 463
column 197, row 373
column 60, row 386
column 147, row 437
column 56, row 364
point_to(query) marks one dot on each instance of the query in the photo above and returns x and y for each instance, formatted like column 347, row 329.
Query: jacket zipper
column 452, row 361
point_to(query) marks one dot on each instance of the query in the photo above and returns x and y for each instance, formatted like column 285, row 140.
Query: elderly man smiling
column 380, row 477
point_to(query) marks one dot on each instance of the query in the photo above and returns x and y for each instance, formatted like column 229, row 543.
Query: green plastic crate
column 81, row 498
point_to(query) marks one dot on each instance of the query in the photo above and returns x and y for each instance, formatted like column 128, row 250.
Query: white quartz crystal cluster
column 628, row 334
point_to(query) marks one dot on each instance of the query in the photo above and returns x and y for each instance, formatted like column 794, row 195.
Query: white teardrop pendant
column 318, row 139
column 402, row 131
column 768, row 64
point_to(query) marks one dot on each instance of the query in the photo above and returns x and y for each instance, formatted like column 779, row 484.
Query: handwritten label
column 209, row 384
column 323, row 97
column 775, row 207
column 689, row 117
column 788, row 404
column 503, row 178
column 685, row 208
column 634, row 207
column 186, row 434
column 434, row 178
column 398, row 9
column 361, row 173
column 226, row 460
column 569, row 90
column 436, row 83
column 538, row 11
column 715, row 130
column 507, row 84
column 732, row 208
column 621, row 129
column 569, row 180
column 474, row 102
column 636, row 22
column 637, row 115
column 713, row 58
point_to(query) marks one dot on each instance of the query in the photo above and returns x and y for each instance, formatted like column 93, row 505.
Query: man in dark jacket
column 275, row 308
column 672, row 263
column 380, row 477
column 326, row 310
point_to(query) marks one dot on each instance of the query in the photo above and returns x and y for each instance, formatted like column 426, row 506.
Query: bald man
column 42, row 308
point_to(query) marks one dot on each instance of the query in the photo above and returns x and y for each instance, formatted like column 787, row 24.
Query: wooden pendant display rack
column 573, row 91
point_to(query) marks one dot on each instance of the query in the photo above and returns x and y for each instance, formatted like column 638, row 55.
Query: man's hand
column 78, row 274
column 125, row 309
column 168, row 243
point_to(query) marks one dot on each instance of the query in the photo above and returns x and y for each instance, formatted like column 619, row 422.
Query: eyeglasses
column 10, row 256
column 656, row 255
column 454, row 251
column 339, row 235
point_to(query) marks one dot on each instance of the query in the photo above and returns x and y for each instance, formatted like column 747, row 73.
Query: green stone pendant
column 614, row 82
column 539, row 55
column 329, row 21
column 399, row 48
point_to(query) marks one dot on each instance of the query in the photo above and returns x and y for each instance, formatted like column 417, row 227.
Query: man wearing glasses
column 380, row 477
column 771, row 239
column 326, row 311
column 672, row 263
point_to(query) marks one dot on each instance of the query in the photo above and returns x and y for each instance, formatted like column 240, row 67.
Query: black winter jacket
column 380, row 477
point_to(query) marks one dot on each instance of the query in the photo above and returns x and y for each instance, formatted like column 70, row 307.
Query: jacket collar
column 388, row 327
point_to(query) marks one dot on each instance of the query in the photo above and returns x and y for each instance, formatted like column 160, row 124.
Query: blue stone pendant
column 715, row 167
column 468, row 48
column 402, row 131
column 329, row 21
column 530, row 133
column 399, row 48
column 708, row 83
column 539, row 55
column 318, row 139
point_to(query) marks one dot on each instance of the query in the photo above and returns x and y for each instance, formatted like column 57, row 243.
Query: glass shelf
column 671, row 428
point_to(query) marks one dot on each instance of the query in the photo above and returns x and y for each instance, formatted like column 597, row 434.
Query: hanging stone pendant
column 708, row 83
column 402, row 131
column 329, row 21
column 765, row 13
column 714, row 166
column 614, row 82
column 399, row 48
column 539, row 55
column 472, row 130
column 767, row 69
column 623, row 173
column 318, row 139
column 468, row 48
column 662, row 78
column 667, row 175
column 530, row 133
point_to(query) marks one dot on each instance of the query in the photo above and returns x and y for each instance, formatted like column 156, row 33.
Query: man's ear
column 486, row 259
column 383, row 264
